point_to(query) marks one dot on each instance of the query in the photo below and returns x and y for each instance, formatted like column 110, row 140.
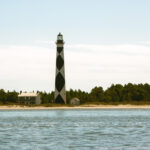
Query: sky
column 106, row 42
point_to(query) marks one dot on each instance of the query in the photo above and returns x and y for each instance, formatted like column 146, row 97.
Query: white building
column 29, row 98
column 75, row 101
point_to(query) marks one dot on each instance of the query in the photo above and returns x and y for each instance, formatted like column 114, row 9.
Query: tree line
column 128, row 93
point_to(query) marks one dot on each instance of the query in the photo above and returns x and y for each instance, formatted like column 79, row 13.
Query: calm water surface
column 115, row 129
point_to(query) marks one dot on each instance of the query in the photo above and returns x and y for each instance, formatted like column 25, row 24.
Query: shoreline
column 16, row 107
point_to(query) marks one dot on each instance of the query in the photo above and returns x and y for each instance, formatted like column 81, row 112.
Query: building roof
column 75, row 99
column 25, row 94
column 59, row 34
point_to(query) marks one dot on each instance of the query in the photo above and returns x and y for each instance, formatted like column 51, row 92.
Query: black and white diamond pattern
column 60, row 93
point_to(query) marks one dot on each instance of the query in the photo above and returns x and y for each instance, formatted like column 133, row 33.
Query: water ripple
column 75, row 129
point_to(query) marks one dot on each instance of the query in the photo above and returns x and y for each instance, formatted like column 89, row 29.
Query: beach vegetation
column 137, row 94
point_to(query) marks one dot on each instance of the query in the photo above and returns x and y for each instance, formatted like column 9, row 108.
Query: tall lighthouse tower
column 60, row 91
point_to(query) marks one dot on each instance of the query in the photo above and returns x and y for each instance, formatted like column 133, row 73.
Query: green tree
column 12, row 97
column 2, row 96
column 114, row 93
column 97, row 94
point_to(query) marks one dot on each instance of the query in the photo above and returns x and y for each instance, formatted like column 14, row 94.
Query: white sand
column 14, row 107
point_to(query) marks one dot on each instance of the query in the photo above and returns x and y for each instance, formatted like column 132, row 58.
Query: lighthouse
column 60, row 91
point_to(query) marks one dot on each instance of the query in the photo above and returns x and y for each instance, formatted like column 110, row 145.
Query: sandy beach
column 16, row 107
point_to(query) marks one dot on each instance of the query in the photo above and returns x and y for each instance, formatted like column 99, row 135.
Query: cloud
column 45, row 41
column 125, row 49
column 33, row 67
column 145, row 42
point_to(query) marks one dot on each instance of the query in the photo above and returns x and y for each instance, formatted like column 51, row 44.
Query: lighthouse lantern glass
column 60, row 37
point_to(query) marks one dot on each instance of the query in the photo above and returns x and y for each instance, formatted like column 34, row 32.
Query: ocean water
column 105, row 129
